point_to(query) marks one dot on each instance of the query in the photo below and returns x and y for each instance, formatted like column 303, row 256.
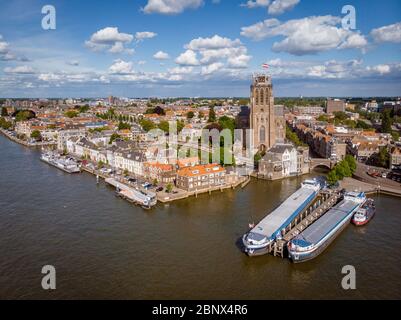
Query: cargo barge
column 258, row 240
column 317, row 237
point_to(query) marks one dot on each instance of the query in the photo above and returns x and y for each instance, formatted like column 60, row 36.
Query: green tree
column 4, row 112
column 396, row 136
column 169, row 188
column 190, row 115
column 147, row 125
column 386, row 122
column 36, row 135
column 164, row 125
column 201, row 115
column 351, row 163
column 114, row 137
column 383, row 157
column 124, row 126
column 332, row 178
column 24, row 115
column 71, row 114
column 212, row 114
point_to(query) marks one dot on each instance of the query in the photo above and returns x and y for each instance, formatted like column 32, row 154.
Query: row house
column 132, row 161
column 162, row 173
column 64, row 135
column 201, row 177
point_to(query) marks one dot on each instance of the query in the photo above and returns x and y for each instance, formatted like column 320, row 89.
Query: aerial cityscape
column 149, row 154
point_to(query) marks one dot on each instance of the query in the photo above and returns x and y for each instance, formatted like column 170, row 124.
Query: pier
column 325, row 201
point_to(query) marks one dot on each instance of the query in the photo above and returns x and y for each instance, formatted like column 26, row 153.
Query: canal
column 103, row 247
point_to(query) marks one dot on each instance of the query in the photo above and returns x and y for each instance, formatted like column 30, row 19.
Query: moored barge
column 317, row 237
column 258, row 240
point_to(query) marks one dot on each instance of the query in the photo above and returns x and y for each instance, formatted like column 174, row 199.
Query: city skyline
column 135, row 50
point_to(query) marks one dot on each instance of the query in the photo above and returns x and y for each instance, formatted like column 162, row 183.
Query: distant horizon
column 201, row 97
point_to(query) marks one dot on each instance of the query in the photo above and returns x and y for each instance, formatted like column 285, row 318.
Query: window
column 262, row 134
column 262, row 97
column 257, row 96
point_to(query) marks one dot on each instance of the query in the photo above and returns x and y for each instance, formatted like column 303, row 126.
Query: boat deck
column 285, row 213
column 318, row 230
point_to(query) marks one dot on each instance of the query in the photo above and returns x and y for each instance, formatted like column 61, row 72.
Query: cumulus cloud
column 215, row 42
column 215, row 49
column 140, row 36
column 188, row 58
column 256, row 4
column 390, row 33
column 19, row 69
column 212, row 68
column 281, row 6
column 160, row 55
column 170, row 6
column 110, row 39
column 275, row 7
column 121, row 67
column 306, row 36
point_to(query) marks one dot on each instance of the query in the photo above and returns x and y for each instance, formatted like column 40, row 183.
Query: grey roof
column 281, row 148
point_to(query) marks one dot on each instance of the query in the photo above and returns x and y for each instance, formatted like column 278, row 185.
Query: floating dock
column 145, row 199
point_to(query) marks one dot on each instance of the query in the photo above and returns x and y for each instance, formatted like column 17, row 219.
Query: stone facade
column 262, row 119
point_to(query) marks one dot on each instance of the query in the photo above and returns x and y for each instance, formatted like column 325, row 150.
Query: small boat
column 364, row 214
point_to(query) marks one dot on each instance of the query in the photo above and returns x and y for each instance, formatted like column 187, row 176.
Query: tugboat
column 364, row 214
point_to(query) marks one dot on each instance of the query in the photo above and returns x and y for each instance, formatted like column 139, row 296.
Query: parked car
column 159, row 189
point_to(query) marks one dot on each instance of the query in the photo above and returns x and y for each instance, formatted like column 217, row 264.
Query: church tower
column 262, row 113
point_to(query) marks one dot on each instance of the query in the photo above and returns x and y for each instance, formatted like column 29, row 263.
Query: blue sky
column 169, row 48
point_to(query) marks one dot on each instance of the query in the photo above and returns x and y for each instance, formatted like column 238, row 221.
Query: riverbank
column 26, row 143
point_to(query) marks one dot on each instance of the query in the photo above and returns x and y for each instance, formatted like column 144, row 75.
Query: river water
column 103, row 247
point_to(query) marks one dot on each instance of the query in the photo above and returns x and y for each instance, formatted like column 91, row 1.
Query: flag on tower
column 265, row 66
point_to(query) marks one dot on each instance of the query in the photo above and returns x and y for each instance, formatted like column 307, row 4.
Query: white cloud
column 239, row 62
column 381, row 69
column 19, row 69
column 3, row 47
column 212, row 68
column 160, row 55
column 215, row 42
column 281, row 6
column 188, row 58
column 181, row 70
column 73, row 63
column 170, row 6
column 256, row 4
column 110, row 39
column 121, row 67
column 139, row 36
column 141, row 62
column 274, row 8
column 306, row 36
column 390, row 33
column 217, row 49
